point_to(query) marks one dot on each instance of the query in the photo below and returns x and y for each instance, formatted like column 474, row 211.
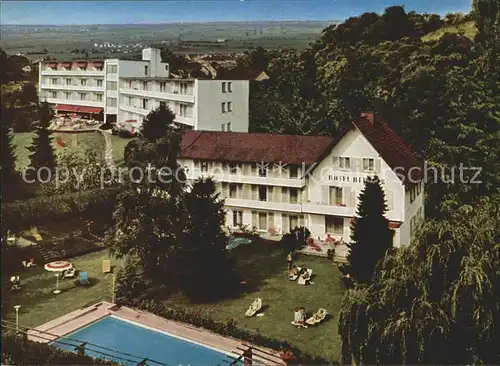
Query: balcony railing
column 156, row 94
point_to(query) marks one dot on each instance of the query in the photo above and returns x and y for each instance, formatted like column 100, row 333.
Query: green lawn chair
column 84, row 278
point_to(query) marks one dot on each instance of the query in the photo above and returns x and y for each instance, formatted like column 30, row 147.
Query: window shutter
column 303, row 195
column 389, row 196
column 346, row 196
column 284, row 195
column 247, row 169
column 246, row 192
column 358, row 164
column 255, row 193
column 336, row 163
column 377, row 166
column 352, row 201
column 255, row 219
column 225, row 190
column 270, row 193
column 285, row 223
column 270, row 220
column 277, row 194
column 325, row 192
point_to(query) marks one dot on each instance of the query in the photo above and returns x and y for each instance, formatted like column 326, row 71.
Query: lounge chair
column 15, row 282
column 254, row 308
column 36, row 234
column 70, row 273
column 106, row 266
column 318, row 317
column 84, row 278
column 305, row 277
column 11, row 239
column 298, row 320
column 293, row 277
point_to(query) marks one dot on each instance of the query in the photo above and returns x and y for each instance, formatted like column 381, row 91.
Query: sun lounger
column 254, row 308
column 70, row 273
column 15, row 283
column 106, row 266
column 305, row 277
column 293, row 277
column 317, row 318
column 36, row 234
column 84, row 278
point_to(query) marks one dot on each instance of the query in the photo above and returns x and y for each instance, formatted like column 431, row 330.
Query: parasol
column 58, row 266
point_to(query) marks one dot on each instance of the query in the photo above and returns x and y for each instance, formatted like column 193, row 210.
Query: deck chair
column 255, row 307
column 84, row 278
column 11, row 239
column 70, row 273
column 106, row 266
column 293, row 277
column 318, row 317
column 36, row 234
column 305, row 277
column 298, row 320
column 15, row 282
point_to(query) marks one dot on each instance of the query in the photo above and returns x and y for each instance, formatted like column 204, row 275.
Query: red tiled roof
column 239, row 74
column 391, row 147
column 253, row 147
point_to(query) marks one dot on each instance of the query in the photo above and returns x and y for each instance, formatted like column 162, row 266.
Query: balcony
column 135, row 109
column 250, row 179
column 73, row 87
column 87, row 103
column 72, row 72
column 323, row 209
column 263, row 205
column 159, row 95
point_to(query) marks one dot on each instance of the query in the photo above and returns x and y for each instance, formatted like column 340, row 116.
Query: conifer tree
column 371, row 236
column 42, row 153
column 9, row 175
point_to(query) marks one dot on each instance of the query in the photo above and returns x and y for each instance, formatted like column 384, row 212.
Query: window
column 368, row 164
column 262, row 193
column 229, row 106
column 99, row 82
column 237, row 218
column 99, row 97
column 163, row 104
column 294, row 195
column 229, row 87
column 334, row 224
column 233, row 190
column 111, row 85
column 83, row 96
column 163, row 86
column 229, row 126
column 130, row 85
column 68, row 82
column 184, row 88
column 204, row 166
column 262, row 170
column 144, row 85
column 223, row 127
column 294, row 222
column 223, row 107
column 67, row 95
column 234, row 168
column 111, row 102
column 294, row 171
column 53, row 94
column 54, row 81
column 144, row 104
column 112, row 69
column 146, row 70
column 262, row 221
column 223, row 86
column 83, row 82
column 335, row 196
column 345, row 163
column 419, row 188
column 183, row 110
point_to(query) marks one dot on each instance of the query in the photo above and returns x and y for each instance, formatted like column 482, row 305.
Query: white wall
column 411, row 211
column 209, row 99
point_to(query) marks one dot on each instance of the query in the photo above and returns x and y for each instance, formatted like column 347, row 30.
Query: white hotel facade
column 277, row 182
column 124, row 92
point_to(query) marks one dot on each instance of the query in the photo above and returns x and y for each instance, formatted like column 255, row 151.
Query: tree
column 486, row 14
column 296, row 239
column 434, row 302
column 42, row 153
column 10, row 177
column 129, row 283
column 371, row 236
column 157, row 123
column 29, row 94
column 203, row 253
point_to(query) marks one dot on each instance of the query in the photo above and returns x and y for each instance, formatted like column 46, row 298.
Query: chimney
column 370, row 116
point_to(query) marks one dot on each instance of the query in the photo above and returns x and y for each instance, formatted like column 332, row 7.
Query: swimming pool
column 127, row 337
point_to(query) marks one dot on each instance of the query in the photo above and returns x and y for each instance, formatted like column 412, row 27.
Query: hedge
column 18, row 215
column 20, row 351
column 228, row 329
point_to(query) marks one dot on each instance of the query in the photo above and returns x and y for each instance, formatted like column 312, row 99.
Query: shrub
column 229, row 328
column 295, row 239
column 129, row 284
column 21, row 214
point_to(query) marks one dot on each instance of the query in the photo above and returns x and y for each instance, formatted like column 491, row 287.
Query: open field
column 468, row 28
column 183, row 38
column 81, row 141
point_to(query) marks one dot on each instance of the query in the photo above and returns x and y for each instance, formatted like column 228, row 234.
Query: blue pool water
column 235, row 241
column 141, row 342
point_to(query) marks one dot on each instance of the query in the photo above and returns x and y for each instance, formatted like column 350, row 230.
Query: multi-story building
column 124, row 92
column 279, row 182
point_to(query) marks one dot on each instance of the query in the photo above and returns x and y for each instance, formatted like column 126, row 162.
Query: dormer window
column 369, row 165
column 344, row 163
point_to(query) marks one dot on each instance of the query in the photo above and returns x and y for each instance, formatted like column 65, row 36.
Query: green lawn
column 118, row 144
column 39, row 305
column 266, row 274
column 80, row 141
column 468, row 28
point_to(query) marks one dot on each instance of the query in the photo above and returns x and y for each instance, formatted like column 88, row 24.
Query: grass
column 81, row 141
column 468, row 28
column 39, row 305
column 118, row 146
column 266, row 274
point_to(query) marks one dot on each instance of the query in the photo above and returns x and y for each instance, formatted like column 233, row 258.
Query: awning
column 90, row 110
column 52, row 64
column 98, row 64
column 67, row 64
column 82, row 64
column 67, row 107
column 131, row 121
column 394, row 224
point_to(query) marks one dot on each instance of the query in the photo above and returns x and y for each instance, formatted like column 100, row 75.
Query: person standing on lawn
column 289, row 259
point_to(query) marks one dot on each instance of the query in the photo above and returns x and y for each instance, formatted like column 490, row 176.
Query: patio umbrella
column 58, row 266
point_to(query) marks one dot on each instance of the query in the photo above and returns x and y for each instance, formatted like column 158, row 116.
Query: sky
column 201, row 11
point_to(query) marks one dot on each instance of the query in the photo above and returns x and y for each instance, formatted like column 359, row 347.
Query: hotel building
column 278, row 182
column 124, row 92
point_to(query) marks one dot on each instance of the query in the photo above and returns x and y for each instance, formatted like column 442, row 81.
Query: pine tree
column 10, row 176
column 371, row 236
column 157, row 123
column 42, row 153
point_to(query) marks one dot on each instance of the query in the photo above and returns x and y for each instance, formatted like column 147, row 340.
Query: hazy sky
column 171, row 11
